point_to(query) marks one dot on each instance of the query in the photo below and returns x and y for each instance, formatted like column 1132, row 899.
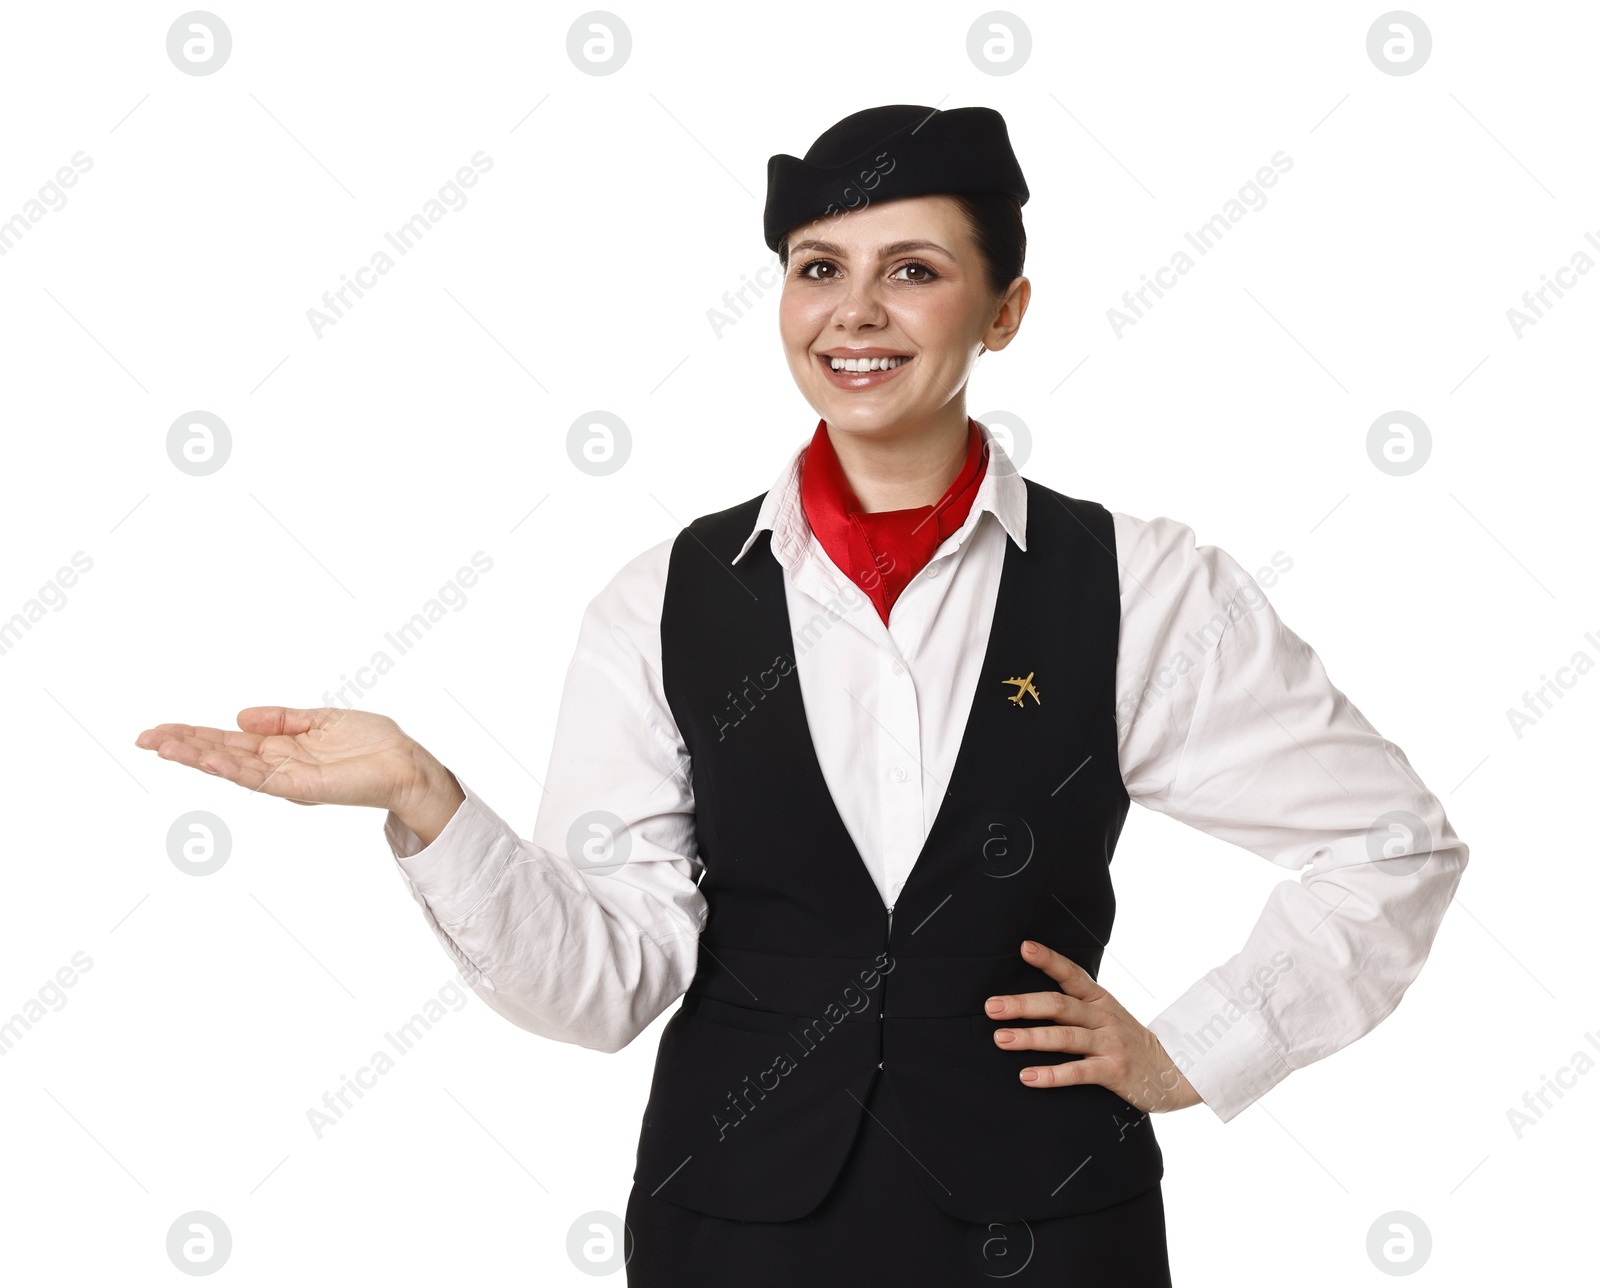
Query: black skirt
column 878, row 1227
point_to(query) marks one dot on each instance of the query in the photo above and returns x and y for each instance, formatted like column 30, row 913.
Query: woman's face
column 902, row 279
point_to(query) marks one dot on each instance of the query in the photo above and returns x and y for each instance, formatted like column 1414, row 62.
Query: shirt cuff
column 1221, row 1047
column 454, row 874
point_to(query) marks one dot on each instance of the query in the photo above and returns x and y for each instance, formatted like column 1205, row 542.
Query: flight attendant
column 843, row 766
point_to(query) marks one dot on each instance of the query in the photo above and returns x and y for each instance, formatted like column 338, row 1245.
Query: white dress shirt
column 1226, row 721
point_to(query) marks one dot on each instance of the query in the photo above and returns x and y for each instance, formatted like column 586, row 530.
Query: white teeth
column 865, row 364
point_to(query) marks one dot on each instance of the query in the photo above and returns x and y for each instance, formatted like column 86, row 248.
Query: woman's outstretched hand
column 320, row 756
column 1118, row 1052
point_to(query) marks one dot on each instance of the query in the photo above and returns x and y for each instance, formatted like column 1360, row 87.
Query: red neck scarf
column 883, row 551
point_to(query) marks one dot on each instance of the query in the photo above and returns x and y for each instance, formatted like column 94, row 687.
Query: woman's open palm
column 320, row 756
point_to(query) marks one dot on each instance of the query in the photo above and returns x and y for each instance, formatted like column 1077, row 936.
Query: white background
column 369, row 463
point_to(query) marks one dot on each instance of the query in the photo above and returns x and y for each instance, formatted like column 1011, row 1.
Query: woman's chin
column 858, row 418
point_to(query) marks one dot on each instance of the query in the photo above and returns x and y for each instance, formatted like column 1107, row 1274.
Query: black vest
column 806, row 987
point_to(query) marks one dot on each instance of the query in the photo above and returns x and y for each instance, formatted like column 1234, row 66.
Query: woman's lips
column 860, row 379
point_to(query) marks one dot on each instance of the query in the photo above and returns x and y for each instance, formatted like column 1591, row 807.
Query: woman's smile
column 862, row 368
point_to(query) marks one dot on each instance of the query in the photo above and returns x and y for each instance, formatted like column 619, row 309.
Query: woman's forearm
column 431, row 800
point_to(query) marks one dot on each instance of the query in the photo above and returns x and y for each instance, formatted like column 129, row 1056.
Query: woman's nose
column 859, row 304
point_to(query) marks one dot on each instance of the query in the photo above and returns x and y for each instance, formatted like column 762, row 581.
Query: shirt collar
column 1001, row 492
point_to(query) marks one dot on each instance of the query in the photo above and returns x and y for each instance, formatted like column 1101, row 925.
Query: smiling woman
column 896, row 324
column 886, row 807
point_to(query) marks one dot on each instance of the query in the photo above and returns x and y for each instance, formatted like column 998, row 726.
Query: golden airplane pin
column 1024, row 685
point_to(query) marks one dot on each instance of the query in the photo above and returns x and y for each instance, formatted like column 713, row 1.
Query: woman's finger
column 152, row 738
column 1070, row 1038
column 1040, row 1006
column 282, row 777
column 1066, row 972
column 204, row 754
column 285, row 721
column 194, row 753
column 199, row 742
column 1068, row 1073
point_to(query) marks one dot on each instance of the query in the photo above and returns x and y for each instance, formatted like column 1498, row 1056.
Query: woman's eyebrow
column 886, row 252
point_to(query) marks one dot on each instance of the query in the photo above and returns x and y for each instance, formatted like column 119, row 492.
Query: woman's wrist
column 429, row 798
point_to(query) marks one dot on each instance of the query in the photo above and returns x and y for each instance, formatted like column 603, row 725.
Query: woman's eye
column 924, row 273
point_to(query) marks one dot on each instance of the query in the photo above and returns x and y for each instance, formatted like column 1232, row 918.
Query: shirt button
column 898, row 774
column 897, row 668
column 932, row 570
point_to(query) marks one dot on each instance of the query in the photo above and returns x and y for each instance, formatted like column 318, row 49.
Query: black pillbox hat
column 884, row 153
